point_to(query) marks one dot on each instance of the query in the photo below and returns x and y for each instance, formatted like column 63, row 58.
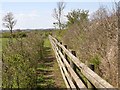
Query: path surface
column 48, row 72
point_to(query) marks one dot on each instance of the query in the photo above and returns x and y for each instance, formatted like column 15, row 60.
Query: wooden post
column 71, row 63
column 89, row 84
column 60, row 42
column 65, row 46
column 73, row 66
column 92, row 67
column 61, row 48
column 66, row 57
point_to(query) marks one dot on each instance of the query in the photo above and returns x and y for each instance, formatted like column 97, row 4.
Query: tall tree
column 77, row 16
column 9, row 21
column 58, row 12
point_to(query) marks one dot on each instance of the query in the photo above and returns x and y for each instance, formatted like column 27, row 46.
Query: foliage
column 15, row 34
column 98, row 35
column 19, row 35
column 5, row 35
column 95, row 60
column 20, row 61
column 77, row 16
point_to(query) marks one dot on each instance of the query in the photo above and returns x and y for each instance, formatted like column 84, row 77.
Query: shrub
column 95, row 60
column 20, row 61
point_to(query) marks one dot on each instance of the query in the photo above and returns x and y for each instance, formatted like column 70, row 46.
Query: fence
column 75, row 73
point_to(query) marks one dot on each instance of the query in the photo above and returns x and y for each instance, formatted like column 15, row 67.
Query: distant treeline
column 15, row 34
column 22, row 33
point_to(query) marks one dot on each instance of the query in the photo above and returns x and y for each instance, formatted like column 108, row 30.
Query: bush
column 98, row 36
column 95, row 60
column 5, row 35
column 20, row 60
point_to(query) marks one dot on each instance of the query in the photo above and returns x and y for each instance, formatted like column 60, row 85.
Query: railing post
column 66, row 57
column 92, row 67
column 61, row 48
column 89, row 84
column 71, row 63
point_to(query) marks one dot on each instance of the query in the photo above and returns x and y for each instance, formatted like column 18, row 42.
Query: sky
column 38, row 15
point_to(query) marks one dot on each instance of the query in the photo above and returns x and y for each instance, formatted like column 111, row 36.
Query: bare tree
column 57, row 14
column 9, row 21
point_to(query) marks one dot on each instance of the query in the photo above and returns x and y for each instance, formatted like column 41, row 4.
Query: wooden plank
column 64, row 78
column 68, row 76
column 95, row 79
column 79, row 83
column 89, row 85
column 65, row 71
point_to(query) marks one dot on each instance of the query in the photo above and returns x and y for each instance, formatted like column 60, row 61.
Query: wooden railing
column 75, row 73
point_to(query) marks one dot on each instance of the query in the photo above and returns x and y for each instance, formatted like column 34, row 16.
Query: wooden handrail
column 58, row 60
column 91, row 76
column 72, row 73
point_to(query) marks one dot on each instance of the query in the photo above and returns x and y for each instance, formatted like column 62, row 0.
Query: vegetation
column 94, row 36
column 28, row 59
column 18, row 34
column 20, row 60
column 77, row 16
column 25, row 58
column 95, row 60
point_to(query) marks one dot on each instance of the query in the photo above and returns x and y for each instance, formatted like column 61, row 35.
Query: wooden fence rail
column 75, row 73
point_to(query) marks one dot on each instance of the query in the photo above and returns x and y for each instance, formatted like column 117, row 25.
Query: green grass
column 47, row 43
column 95, row 60
column 4, row 41
column 0, row 44
column 0, row 48
column 55, row 81
column 60, row 34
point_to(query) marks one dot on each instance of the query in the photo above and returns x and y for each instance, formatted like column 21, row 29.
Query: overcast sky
column 38, row 15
